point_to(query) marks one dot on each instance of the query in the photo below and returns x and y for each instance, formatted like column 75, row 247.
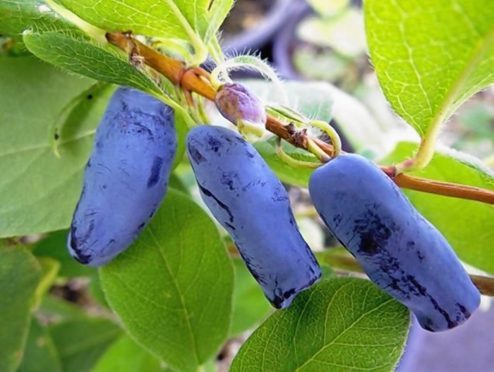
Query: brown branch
column 484, row 284
column 444, row 188
column 195, row 80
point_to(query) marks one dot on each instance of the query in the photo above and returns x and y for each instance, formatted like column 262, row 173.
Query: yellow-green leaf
column 430, row 56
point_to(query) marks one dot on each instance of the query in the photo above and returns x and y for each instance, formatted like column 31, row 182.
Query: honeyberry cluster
column 126, row 179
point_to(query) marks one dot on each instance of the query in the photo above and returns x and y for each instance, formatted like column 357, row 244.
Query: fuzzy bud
column 238, row 105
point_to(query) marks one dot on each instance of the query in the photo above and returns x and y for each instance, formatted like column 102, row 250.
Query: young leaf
column 40, row 353
column 81, row 342
column 338, row 325
column 174, row 19
column 468, row 225
column 76, row 53
column 49, row 269
column 173, row 288
column 19, row 278
column 33, row 177
column 124, row 355
column 249, row 303
column 430, row 56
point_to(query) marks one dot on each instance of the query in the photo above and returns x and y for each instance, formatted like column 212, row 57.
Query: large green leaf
column 19, row 277
column 19, row 15
column 468, row 225
column 249, row 303
column 76, row 53
column 338, row 325
column 40, row 353
column 34, row 179
column 81, row 342
column 173, row 287
column 167, row 18
column 430, row 56
column 124, row 355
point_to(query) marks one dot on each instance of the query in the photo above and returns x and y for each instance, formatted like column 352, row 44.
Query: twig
column 195, row 80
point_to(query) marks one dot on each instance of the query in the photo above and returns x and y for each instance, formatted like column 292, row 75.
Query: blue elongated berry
column 249, row 201
column 125, row 178
column 402, row 252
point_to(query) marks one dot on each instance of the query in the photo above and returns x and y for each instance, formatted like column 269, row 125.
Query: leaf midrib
column 182, row 300
column 312, row 358
column 47, row 145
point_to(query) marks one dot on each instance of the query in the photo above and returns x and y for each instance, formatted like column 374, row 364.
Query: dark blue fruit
column 398, row 248
column 126, row 176
column 252, row 205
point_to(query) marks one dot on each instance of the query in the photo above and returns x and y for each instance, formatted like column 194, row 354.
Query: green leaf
column 173, row 287
column 430, row 56
column 467, row 225
column 287, row 173
column 177, row 183
column 181, row 129
column 81, row 342
column 49, row 271
column 174, row 19
column 218, row 10
column 40, row 353
column 55, row 246
column 95, row 290
column 124, row 355
column 249, row 303
column 338, row 325
column 19, row 277
column 19, row 15
column 76, row 53
column 33, row 178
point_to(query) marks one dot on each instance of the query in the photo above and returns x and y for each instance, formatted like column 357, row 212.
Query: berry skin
column 126, row 177
column 249, row 201
column 401, row 252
